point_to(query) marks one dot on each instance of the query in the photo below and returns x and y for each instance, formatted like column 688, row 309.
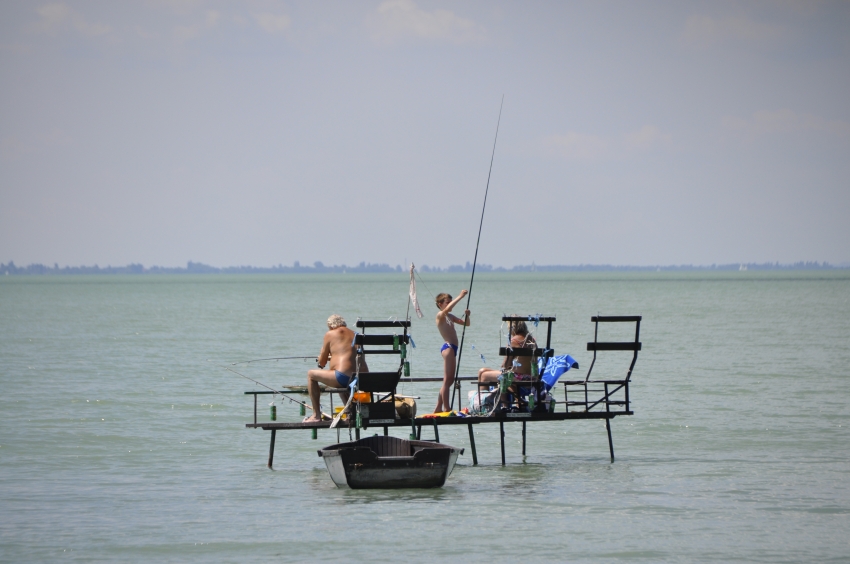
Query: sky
column 263, row 132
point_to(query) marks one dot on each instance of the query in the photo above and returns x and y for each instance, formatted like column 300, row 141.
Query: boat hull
column 389, row 462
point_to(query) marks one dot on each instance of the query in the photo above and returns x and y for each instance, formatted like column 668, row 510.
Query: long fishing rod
column 475, row 260
column 269, row 388
column 274, row 358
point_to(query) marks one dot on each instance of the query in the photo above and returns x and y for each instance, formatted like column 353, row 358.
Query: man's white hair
column 335, row 321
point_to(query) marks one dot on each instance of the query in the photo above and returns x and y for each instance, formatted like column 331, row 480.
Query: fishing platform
column 585, row 398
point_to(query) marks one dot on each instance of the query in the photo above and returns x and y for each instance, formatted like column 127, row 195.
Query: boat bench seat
column 388, row 446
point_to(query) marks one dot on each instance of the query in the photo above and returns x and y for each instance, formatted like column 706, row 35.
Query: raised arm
column 452, row 304
column 455, row 301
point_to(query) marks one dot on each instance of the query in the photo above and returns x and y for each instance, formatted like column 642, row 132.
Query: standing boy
column 446, row 325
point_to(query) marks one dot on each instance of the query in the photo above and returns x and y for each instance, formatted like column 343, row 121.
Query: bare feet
column 315, row 419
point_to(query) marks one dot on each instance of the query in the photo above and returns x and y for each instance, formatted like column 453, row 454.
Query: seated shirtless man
column 519, row 365
column 446, row 324
column 336, row 348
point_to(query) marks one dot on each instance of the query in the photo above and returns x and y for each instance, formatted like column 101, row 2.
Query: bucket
column 362, row 397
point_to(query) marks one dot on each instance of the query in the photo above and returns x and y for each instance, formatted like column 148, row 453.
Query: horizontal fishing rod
column 274, row 358
column 299, row 402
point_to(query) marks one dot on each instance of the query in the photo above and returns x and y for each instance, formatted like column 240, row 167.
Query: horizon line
column 364, row 267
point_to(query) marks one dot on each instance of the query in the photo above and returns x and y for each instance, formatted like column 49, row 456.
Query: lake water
column 122, row 439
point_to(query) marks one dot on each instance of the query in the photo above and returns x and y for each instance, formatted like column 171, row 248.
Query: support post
column 502, row 437
column 472, row 445
column 255, row 409
column 436, row 431
column 386, row 430
column 523, row 439
column 356, row 434
column 271, row 447
column 610, row 442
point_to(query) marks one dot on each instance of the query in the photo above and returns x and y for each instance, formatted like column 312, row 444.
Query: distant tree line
column 363, row 267
column 195, row 268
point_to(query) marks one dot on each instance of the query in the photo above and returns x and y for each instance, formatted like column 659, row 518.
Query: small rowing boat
column 389, row 462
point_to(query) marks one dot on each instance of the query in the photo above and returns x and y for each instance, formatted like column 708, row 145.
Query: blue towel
column 554, row 368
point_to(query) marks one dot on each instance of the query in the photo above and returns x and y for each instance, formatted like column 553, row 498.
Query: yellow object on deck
column 441, row 414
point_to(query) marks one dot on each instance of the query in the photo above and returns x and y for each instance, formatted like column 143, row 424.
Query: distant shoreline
column 319, row 268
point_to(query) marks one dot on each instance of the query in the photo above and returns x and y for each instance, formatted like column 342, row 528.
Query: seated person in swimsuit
column 446, row 325
column 338, row 353
column 519, row 365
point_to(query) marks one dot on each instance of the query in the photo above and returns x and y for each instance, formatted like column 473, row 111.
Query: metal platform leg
column 610, row 442
column 271, row 448
column 523, row 439
column 472, row 445
column 502, row 436
column 436, row 432
column 386, row 430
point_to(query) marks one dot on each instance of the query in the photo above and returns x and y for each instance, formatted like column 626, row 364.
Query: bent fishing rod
column 456, row 386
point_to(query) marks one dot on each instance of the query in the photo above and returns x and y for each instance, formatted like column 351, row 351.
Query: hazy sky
column 264, row 132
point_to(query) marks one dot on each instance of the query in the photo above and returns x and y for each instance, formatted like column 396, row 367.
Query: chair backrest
column 535, row 352
column 598, row 345
column 368, row 345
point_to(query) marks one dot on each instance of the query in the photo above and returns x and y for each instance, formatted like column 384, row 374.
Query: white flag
column 413, row 293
